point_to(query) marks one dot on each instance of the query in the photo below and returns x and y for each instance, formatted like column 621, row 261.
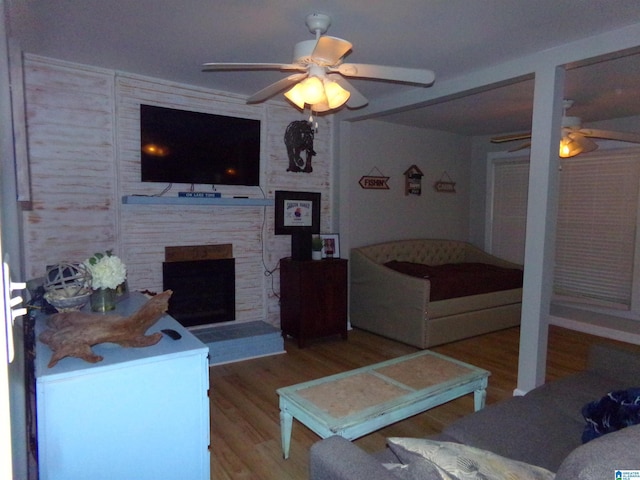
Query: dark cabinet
column 313, row 298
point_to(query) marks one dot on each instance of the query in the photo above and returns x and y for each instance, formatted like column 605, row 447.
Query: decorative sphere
column 68, row 286
column 68, row 280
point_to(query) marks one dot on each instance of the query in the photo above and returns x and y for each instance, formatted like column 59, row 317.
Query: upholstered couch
column 399, row 306
column 543, row 428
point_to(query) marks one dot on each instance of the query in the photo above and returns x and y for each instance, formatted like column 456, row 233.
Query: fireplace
column 204, row 291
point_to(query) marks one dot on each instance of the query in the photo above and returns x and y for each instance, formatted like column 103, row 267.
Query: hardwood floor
column 245, row 422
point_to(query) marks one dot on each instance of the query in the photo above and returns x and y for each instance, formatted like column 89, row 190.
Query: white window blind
column 509, row 215
column 596, row 230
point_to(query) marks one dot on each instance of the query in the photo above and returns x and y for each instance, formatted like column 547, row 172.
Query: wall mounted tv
column 179, row 146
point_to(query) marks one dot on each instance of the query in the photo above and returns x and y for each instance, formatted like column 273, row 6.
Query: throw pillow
column 612, row 412
column 466, row 463
column 419, row 469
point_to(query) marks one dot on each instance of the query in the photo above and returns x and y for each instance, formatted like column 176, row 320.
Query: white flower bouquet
column 107, row 270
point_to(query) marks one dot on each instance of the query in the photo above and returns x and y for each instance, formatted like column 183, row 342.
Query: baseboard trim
column 593, row 329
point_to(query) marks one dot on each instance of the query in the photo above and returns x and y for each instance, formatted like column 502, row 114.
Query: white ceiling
column 170, row 39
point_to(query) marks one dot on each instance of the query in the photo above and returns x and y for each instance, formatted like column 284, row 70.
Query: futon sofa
column 543, row 428
column 393, row 286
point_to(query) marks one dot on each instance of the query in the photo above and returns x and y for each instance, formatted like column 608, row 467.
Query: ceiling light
column 296, row 95
column 309, row 91
column 569, row 148
column 336, row 95
column 313, row 90
column 320, row 107
column 320, row 94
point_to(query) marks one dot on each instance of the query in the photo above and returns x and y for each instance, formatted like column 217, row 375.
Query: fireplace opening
column 204, row 291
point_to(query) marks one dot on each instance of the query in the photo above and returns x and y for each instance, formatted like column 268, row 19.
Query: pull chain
column 312, row 123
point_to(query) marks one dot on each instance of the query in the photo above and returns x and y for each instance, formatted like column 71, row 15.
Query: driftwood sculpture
column 72, row 334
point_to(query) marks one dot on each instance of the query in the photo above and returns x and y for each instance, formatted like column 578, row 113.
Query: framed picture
column 330, row 245
column 296, row 212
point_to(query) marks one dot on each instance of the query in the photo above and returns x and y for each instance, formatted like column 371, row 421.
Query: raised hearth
column 240, row 341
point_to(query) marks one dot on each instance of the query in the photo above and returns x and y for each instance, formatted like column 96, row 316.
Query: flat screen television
column 297, row 214
column 179, row 146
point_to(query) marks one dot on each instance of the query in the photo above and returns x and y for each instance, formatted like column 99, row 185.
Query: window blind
column 509, row 215
column 596, row 229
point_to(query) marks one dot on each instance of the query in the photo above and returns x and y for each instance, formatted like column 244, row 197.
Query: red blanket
column 454, row 280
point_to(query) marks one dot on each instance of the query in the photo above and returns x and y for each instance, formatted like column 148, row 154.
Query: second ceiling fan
column 575, row 139
column 320, row 81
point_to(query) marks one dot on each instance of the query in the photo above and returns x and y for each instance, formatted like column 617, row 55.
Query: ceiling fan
column 321, row 83
column 575, row 139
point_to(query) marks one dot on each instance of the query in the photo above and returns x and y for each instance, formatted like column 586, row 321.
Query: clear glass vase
column 103, row 299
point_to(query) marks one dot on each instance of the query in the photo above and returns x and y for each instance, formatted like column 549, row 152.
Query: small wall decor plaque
column 445, row 184
column 413, row 181
column 374, row 182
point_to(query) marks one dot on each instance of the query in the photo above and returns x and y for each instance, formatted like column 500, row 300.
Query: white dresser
column 141, row 413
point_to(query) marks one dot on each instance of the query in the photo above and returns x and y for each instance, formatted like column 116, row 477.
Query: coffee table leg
column 286, row 422
column 479, row 398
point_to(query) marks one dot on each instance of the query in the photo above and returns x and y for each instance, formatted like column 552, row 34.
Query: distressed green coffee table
column 355, row 403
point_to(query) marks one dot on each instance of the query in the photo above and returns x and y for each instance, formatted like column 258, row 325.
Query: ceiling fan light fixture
column 309, row 91
column 296, row 95
column 575, row 139
column 569, row 148
column 321, row 95
column 320, row 107
column 336, row 95
column 313, row 90
column 315, row 60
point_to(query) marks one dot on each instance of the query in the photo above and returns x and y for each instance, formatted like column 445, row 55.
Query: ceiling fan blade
column 511, row 138
column 609, row 135
column 356, row 99
column 380, row 72
column 215, row 67
column 586, row 144
column 275, row 88
column 329, row 50
column 589, row 146
column 520, row 147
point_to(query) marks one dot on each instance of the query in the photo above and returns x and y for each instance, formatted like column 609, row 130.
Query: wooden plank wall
column 70, row 122
column 84, row 139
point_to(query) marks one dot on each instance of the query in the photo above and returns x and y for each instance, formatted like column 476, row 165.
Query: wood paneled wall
column 70, row 126
column 84, row 154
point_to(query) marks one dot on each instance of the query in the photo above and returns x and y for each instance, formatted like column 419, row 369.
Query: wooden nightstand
column 313, row 298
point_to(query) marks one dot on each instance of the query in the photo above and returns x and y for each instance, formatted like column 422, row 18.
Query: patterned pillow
column 462, row 462
column 419, row 469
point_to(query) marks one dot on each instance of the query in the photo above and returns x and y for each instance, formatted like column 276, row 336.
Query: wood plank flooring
column 245, row 421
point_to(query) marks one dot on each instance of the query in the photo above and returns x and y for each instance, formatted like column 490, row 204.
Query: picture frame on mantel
column 330, row 245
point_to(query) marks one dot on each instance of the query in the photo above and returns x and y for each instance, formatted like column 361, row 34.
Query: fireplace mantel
column 219, row 202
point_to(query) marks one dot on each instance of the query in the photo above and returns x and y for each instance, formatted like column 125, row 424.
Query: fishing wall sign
column 374, row 182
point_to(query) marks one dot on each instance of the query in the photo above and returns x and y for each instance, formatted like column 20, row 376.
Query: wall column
column 541, row 221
